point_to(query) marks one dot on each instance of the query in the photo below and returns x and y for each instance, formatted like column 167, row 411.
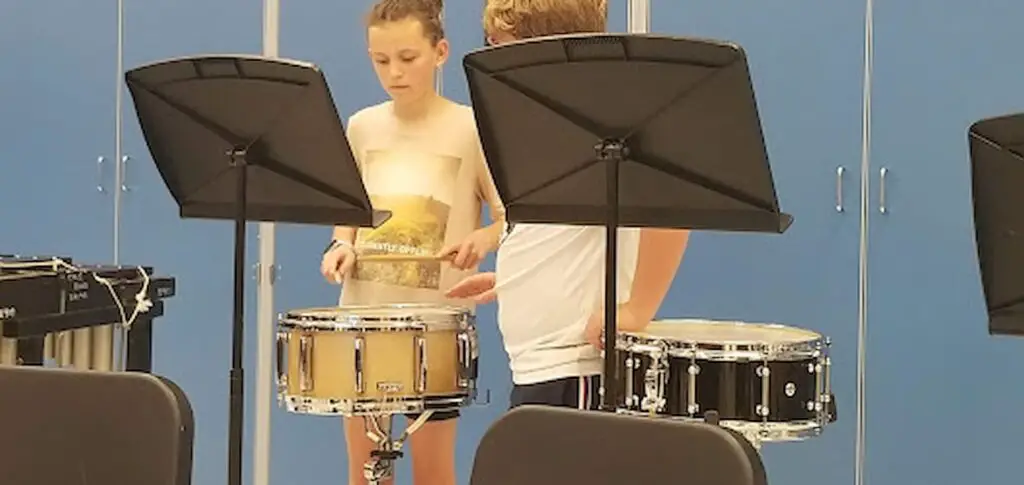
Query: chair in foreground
column 63, row 427
column 535, row 445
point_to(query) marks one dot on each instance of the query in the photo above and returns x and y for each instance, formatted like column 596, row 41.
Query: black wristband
column 334, row 244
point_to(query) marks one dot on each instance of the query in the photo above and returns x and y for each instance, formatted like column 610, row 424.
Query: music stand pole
column 612, row 153
column 237, row 376
column 274, row 126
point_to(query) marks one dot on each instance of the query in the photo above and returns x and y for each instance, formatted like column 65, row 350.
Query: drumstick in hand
column 401, row 258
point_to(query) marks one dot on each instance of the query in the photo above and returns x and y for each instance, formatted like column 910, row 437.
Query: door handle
column 839, row 188
column 99, row 174
column 882, row 174
column 124, row 173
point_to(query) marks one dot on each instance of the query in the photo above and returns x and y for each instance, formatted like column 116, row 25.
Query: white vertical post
column 862, row 269
column 118, row 130
column 638, row 17
column 99, row 342
column 265, row 298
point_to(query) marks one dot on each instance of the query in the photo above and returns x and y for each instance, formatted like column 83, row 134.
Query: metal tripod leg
column 381, row 465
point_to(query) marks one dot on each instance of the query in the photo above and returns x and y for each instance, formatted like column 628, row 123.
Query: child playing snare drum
column 420, row 158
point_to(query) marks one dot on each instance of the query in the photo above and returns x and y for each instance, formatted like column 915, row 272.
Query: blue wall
column 940, row 392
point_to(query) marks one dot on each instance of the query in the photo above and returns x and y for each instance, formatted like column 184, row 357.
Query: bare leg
column 433, row 453
column 359, row 447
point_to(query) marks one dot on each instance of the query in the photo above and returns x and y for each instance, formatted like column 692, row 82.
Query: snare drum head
column 716, row 339
column 396, row 315
column 727, row 332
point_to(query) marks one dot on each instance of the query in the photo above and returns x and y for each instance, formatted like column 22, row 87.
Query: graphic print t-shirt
column 432, row 177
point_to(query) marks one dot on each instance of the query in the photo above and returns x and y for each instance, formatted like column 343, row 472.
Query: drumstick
column 399, row 258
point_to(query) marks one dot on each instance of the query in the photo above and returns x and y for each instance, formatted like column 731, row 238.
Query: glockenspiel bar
column 65, row 351
column 102, row 351
column 82, row 345
column 49, row 348
column 8, row 351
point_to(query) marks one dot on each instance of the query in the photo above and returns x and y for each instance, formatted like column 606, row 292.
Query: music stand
column 599, row 448
column 63, row 426
column 624, row 130
column 248, row 138
column 997, row 172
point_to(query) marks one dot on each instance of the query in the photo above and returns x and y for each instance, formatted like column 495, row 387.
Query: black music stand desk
column 624, row 130
column 997, row 175
column 249, row 138
column 63, row 426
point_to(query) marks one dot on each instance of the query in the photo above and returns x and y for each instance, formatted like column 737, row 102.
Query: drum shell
column 734, row 389
column 349, row 366
column 390, row 366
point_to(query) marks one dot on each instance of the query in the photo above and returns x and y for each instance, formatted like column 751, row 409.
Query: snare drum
column 772, row 381
column 372, row 360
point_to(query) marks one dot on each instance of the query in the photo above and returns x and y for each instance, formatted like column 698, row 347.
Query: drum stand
column 381, row 465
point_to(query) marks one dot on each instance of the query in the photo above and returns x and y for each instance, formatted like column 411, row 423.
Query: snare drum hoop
column 374, row 407
column 693, row 348
column 394, row 317
column 763, row 431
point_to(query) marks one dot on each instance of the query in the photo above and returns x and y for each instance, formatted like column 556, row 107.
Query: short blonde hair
column 524, row 19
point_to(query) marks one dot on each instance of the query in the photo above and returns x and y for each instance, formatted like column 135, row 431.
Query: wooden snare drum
column 372, row 360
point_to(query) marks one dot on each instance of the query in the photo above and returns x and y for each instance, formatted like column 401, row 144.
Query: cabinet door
column 192, row 342
column 805, row 60
column 941, row 389
column 57, row 86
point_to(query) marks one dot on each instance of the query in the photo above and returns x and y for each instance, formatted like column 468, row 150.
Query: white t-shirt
column 550, row 279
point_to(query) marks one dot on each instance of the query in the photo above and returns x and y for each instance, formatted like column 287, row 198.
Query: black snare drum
column 768, row 380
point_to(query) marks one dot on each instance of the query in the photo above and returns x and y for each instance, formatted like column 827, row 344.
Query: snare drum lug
column 631, row 398
column 360, row 343
column 692, row 408
column 761, row 410
column 282, row 349
column 465, row 360
column 827, row 394
column 421, row 356
column 305, row 363
column 765, row 373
